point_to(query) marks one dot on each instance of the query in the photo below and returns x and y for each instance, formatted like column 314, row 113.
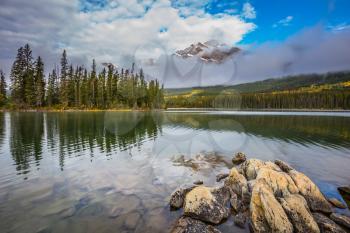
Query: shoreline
column 181, row 110
column 259, row 110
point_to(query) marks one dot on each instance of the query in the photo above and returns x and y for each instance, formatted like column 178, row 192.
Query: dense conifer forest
column 75, row 87
column 314, row 91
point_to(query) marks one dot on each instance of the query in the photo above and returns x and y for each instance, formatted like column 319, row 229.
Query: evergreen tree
column 63, row 80
column 3, row 96
column 85, row 89
column 17, row 78
column 101, row 93
column 29, row 85
column 39, row 83
column 70, row 86
column 109, row 86
column 93, row 85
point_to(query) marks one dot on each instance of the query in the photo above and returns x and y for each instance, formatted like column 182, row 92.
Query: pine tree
column 109, row 86
column 101, row 95
column 39, row 82
column 52, row 97
column 17, row 78
column 70, row 86
column 29, row 85
column 3, row 96
column 84, row 89
column 93, row 85
column 63, row 80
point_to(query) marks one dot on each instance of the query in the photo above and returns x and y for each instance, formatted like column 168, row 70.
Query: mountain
column 329, row 91
column 270, row 85
column 210, row 51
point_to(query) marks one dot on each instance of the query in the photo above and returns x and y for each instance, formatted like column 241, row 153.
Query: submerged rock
column 189, row 225
column 198, row 182
column 266, row 213
column 335, row 202
column 280, row 182
column 326, row 225
column 178, row 196
column 221, row 176
column 239, row 158
column 283, row 165
column 251, row 167
column 313, row 196
column 240, row 220
column 207, row 204
column 298, row 212
column 341, row 220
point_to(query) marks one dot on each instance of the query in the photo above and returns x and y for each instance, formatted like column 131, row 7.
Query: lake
column 114, row 171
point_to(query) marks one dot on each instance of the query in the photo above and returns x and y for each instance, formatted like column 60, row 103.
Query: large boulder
column 237, row 183
column 239, row 158
column 266, row 213
column 189, row 225
column 326, row 225
column 207, row 204
column 341, row 220
column 298, row 212
column 251, row 167
column 280, row 182
column 314, row 197
column 178, row 196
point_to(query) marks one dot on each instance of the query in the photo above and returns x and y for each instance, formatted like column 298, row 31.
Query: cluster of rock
column 266, row 196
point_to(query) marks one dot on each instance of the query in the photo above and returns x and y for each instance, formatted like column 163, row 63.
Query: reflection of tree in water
column 330, row 131
column 2, row 127
column 107, row 131
column 25, row 140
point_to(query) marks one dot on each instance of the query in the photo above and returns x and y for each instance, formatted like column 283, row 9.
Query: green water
column 114, row 171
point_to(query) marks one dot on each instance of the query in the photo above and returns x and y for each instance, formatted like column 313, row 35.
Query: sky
column 277, row 37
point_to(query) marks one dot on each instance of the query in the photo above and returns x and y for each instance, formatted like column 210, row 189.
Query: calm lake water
column 114, row 171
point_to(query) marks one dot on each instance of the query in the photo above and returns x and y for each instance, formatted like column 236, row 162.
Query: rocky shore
column 262, row 196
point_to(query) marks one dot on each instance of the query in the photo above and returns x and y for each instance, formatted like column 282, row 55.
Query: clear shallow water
column 114, row 171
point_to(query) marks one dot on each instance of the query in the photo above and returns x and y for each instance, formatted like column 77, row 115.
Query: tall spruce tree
column 29, row 84
column 93, row 85
column 39, row 82
column 17, row 78
column 3, row 95
column 63, row 80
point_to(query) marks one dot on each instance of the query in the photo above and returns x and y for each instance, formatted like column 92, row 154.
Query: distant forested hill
column 316, row 91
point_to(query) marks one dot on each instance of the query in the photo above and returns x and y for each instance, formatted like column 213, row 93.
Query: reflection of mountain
column 331, row 131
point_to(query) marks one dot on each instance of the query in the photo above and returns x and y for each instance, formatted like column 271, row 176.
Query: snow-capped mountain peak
column 210, row 51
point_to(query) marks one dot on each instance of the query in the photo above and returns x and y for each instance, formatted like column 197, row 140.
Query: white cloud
column 284, row 22
column 110, row 34
column 339, row 27
column 248, row 11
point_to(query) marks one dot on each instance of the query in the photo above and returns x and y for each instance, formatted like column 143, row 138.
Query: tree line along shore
column 69, row 87
column 74, row 87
